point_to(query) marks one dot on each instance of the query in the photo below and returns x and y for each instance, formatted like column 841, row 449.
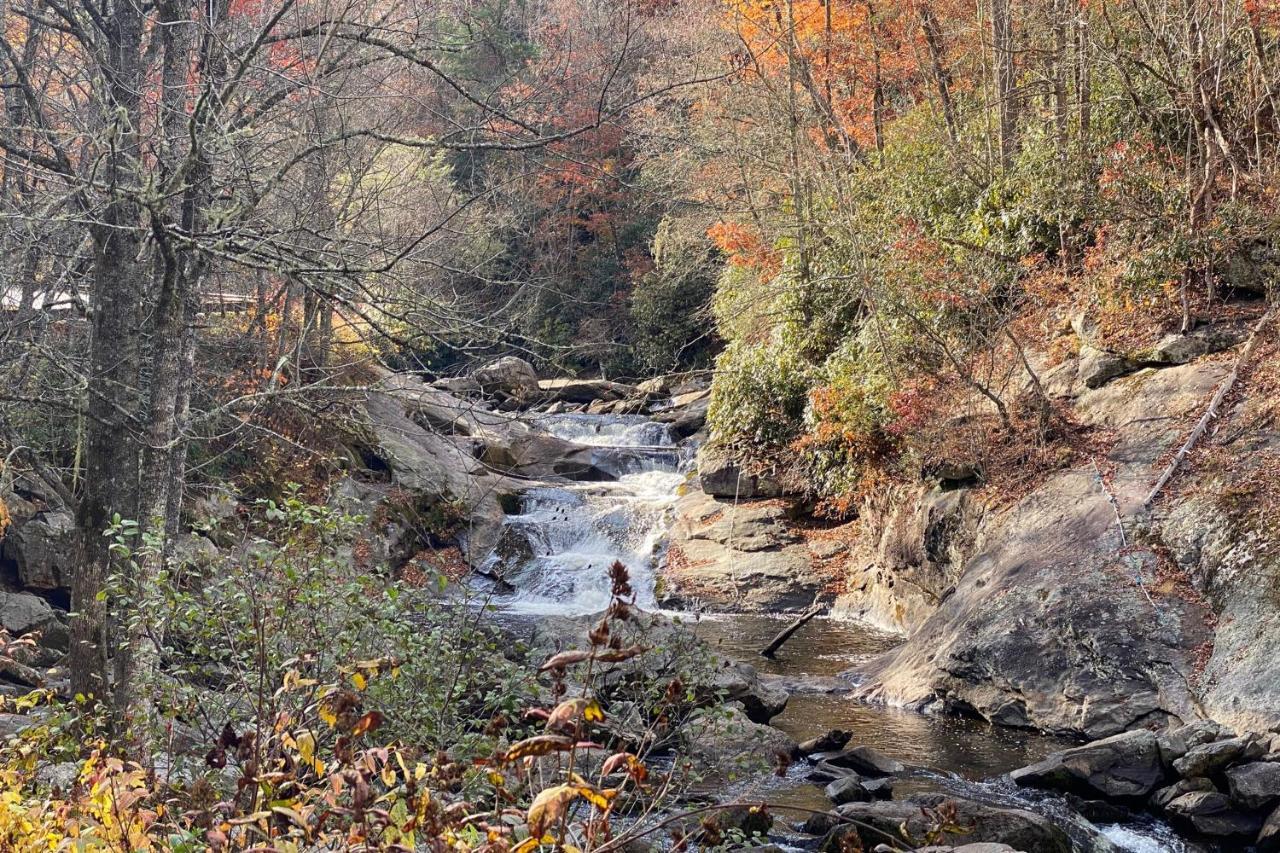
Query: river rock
column 878, row 821
column 587, row 390
column 1196, row 784
column 724, row 744
column 741, row 557
column 833, row 741
column 723, row 476
column 687, row 413
column 1211, row 813
column 1125, row 766
column 1269, row 836
column 847, row 789
column 1254, row 786
column 1210, row 758
column 865, row 760
column 508, row 375
column 739, row 682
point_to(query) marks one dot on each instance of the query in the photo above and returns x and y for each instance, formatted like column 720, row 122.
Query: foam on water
column 556, row 552
column 1154, row 839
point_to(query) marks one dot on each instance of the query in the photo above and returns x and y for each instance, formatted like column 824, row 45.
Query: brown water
column 810, row 664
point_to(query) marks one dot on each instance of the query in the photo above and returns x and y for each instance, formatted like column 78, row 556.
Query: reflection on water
column 809, row 665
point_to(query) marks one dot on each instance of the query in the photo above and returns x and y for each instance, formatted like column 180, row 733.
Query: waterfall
column 556, row 551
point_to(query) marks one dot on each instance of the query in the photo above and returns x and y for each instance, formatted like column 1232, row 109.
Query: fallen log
column 1212, row 412
column 785, row 634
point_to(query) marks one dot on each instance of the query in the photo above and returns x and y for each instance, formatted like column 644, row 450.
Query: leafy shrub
column 759, row 396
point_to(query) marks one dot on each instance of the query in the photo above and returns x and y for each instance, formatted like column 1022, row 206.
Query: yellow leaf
column 600, row 799
column 539, row 745
column 359, row 681
column 326, row 713
column 548, row 807
column 593, row 713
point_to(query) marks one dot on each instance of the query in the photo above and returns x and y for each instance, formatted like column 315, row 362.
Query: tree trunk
column 1006, row 80
column 941, row 76
column 111, row 453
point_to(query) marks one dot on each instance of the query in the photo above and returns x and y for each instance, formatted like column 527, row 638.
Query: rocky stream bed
column 957, row 629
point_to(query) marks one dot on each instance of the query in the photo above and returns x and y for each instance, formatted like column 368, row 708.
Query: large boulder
column 724, row 745
column 1175, row 348
column 723, row 476
column 1211, row 758
column 742, row 557
column 1057, row 619
column 1211, row 813
column 509, row 375
column 21, row 612
column 43, row 547
column 587, row 390
column 1255, row 785
column 1125, row 766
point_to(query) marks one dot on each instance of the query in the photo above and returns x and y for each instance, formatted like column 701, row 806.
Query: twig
column 1212, row 412
column 1111, row 499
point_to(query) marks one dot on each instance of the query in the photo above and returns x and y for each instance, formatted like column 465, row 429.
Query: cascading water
column 554, row 554
column 553, row 559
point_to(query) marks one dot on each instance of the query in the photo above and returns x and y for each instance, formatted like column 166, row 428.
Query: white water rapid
column 556, row 552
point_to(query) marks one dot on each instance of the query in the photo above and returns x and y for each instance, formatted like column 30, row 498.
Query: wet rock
column 1098, row 367
column 1197, row 784
column 820, row 823
column 877, row 822
column 723, row 476
column 508, row 375
column 847, row 789
column 1122, row 766
column 980, row 847
column 1211, row 813
column 879, row 789
column 824, row 772
column 865, row 760
column 687, row 413
column 1098, row 811
column 739, row 682
column 833, row 741
column 1254, row 786
column 1210, row 758
column 1269, row 836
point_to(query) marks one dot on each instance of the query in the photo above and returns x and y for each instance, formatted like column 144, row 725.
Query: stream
column 554, row 554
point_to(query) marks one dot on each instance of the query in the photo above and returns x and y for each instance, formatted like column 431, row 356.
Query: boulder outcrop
column 1062, row 614
column 739, row 556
